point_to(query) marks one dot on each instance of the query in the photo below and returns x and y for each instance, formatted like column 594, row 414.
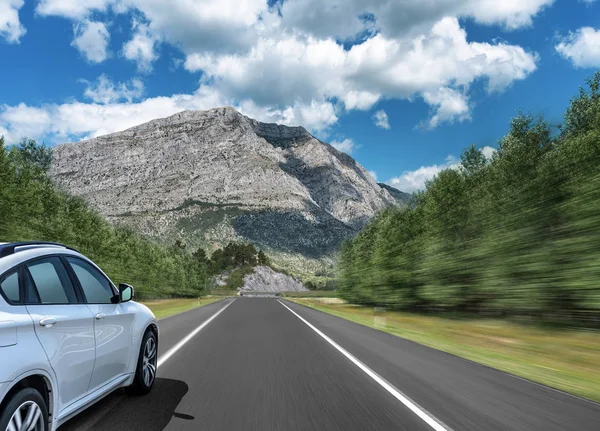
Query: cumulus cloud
column 381, row 119
column 141, row 47
column 435, row 65
column 373, row 174
column 581, row 48
column 346, row 146
column 217, row 24
column 59, row 122
column 199, row 25
column 315, row 116
column 449, row 105
column 73, row 9
column 26, row 121
column 91, row 40
column 286, row 62
column 105, row 91
column 412, row 181
column 345, row 19
column 11, row 28
column 74, row 120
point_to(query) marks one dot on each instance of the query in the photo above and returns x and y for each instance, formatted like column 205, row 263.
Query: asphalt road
column 258, row 366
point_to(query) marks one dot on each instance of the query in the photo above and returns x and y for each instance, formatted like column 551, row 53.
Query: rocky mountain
column 264, row 279
column 210, row 177
column 402, row 197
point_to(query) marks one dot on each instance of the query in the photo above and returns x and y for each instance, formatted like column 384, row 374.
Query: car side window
column 10, row 287
column 95, row 285
column 51, row 281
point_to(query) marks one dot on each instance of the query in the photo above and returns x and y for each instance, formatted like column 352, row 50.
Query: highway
column 268, row 364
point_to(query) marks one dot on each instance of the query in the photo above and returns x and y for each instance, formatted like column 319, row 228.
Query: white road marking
column 428, row 418
column 165, row 357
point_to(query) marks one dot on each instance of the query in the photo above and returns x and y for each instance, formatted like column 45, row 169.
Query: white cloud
column 362, row 100
column 373, row 174
column 105, row 91
column 201, row 25
column 23, row 121
column 488, row 152
column 286, row 63
column 73, row 9
column 11, row 28
column 581, row 48
column 510, row 13
column 346, row 146
column 281, row 71
column 341, row 18
column 205, row 25
column 412, row 181
column 315, row 116
column 194, row 25
column 91, row 40
column 381, row 119
column 141, row 47
column 449, row 105
column 74, row 120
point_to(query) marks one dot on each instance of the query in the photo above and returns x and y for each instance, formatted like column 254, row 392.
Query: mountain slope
column 401, row 197
column 215, row 176
column 264, row 279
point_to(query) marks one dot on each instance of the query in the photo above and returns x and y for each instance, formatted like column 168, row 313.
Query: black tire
column 23, row 399
column 140, row 384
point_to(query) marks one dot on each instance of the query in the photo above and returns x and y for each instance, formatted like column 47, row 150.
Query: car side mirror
column 125, row 292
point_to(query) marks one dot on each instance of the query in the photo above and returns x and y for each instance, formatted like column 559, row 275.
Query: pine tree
column 263, row 259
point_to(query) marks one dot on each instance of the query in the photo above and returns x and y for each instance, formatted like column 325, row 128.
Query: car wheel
column 25, row 411
column 145, row 373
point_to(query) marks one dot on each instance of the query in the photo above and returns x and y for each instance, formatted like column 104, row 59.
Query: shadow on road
column 120, row 411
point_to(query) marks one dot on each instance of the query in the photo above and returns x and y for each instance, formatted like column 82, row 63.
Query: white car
column 68, row 336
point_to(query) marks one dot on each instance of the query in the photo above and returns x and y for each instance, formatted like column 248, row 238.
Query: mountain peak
column 217, row 176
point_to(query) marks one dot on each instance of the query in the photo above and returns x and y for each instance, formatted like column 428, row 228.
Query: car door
column 113, row 323
column 64, row 326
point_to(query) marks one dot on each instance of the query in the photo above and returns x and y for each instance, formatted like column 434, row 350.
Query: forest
column 233, row 255
column 514, row 235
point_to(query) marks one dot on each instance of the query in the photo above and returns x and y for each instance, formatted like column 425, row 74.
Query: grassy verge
column 168, row 307
column 562, row 359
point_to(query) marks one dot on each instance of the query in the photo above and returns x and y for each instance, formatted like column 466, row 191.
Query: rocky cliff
column 214, row 176
column 264, row 279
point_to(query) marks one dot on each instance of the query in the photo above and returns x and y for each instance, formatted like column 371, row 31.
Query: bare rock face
column 216, row 176
column 264, row 279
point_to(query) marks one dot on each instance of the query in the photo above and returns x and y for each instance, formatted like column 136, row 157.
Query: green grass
column 168, row 307
column 562, row 359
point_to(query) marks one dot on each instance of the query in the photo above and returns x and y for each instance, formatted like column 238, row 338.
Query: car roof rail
column 12, row 247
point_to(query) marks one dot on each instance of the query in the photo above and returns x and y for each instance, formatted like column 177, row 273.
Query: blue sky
column 402, row 87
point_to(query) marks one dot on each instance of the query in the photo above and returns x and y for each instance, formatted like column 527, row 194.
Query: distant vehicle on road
column 68, row 336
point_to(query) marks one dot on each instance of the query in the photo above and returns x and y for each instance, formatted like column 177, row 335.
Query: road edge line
column 423, row 414
column 167, row 355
